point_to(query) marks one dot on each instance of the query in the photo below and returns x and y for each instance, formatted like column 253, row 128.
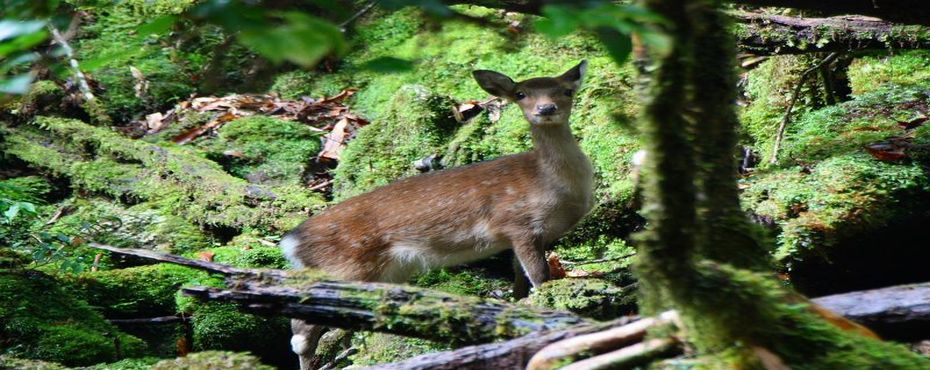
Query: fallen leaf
column 334, row 141
column 556, row 271
column 206, row 256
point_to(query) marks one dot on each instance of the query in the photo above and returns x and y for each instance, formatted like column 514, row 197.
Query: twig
column 365, row 9
column 552, row 355
column 69, row 52
column 151, row 320
column 779, row 136
column 320, row 185
column 629, row 357
column 341, row 356
column 602, row 260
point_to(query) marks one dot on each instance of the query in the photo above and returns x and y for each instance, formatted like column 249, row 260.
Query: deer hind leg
column 531, row 253
column 304, row 341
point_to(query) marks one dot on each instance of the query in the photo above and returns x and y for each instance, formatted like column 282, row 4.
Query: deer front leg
column 532, row 256
column 521, row 285
column 304, row 341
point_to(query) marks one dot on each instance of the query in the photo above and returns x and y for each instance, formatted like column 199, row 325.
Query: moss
column 379, row 348
column 173, row 179
column 764, row 314
column 870, row 73
column 416, row 125
column 209, row 360
column 471, row 282
column 829, row 188
column 139, row 226
column 266, row 150
column 144, row 363
column 588, row 297
column 220, row 326
column 143, row 291
column 12, row 363
column 40, row 320
column 252, row 257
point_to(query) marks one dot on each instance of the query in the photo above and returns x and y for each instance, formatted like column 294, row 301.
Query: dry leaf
column 206, row 256
column 556, row 271
column 334, row 141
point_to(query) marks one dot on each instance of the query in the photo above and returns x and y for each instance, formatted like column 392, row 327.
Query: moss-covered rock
column 143, row 291
column 472, row 281
column 209, row 360
column 251, row 257
column 416, row 124
column 40, row 320
column 589, row 297
column 220, row 326
column 13, row 363
column 139, row 226
column 143, row 363
column 172, row 179
column 904, row 68
column 263, row 150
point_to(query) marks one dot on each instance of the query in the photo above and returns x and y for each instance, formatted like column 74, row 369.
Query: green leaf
column 302, row 40
column 10, row 29
column 388, row 65
column 434, row 7
column 559, row 21
column 18, row 85
column 157, row 26
column 11, row 212
column 617, row 44
column 22, row 42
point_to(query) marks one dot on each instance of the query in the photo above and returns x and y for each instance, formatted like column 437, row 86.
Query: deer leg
column 304, row 341
column 521, row 285
column 532, row 256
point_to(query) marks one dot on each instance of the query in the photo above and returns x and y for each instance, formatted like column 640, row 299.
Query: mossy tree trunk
column 699, row 254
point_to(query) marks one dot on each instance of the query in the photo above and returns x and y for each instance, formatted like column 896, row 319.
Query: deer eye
column 519, row 95
column 569, row 92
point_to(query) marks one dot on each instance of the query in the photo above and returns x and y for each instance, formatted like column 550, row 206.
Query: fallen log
column 763, row 34
column 398, row 309
column 899, row 312
column 512, row 354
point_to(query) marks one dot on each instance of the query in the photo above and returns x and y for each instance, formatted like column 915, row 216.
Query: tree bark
column 899, row 11
column 762, row 34
column 899, row 312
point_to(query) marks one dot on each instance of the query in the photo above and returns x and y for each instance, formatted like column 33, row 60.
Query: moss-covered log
column 389, row 308
column 899, row 312
column 176, row 180
column 764, row 34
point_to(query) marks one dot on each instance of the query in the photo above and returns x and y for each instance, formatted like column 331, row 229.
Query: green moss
column 589, row 297
column 829, row 188
column 908, row 68
column 172, row 179
column 144, row 363
column 416, row 125
column 144, row 291
column 12, row 363
column 766, row 315
column 139, row 226
column 266, row 150
column 209, row 360
column 253, row 257
column 470, row 282
column 379, row 348
column 40, row 320
column 220, row 326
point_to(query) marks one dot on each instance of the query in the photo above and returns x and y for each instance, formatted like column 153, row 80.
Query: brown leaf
column 206, row 256
column 913, row 123
column 886, row 151
column 556, row 271
column 194, row 133
column 334, row 141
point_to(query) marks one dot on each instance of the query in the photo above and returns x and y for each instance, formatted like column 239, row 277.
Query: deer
column 523, row 202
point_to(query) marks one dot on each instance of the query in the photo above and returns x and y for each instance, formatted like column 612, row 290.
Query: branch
column 898, row 312
column 630, row 357
column 512, row 354
column 175, row 259
column 69, row 53
column 780, row 134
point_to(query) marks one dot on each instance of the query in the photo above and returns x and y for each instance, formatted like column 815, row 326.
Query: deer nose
column 546, row 109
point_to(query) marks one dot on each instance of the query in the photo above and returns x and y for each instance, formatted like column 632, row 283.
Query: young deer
column 524, row 201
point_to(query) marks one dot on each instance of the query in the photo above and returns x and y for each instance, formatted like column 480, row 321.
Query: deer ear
column 495, row 83
column 575, row 75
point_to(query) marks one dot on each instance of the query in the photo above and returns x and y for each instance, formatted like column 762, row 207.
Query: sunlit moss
column 209, row 360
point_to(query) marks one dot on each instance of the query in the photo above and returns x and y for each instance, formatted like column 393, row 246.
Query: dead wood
column 899, row 312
